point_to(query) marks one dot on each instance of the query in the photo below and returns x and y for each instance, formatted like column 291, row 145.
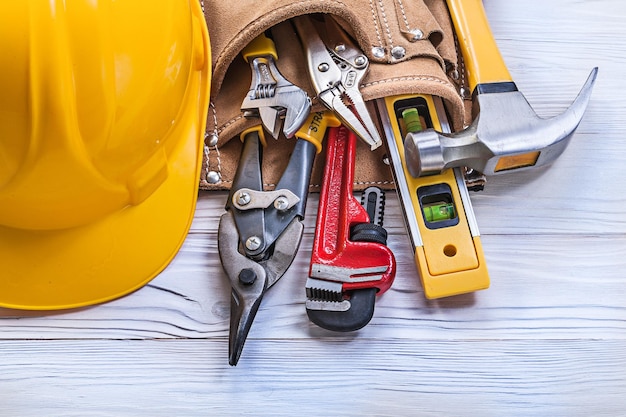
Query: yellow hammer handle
column 481, row 54
column 260, row 46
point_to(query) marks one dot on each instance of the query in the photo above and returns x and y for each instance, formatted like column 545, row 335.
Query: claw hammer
column 350, row 264
column 506, row 133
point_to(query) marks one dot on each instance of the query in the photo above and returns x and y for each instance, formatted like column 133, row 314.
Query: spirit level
column 437, row 208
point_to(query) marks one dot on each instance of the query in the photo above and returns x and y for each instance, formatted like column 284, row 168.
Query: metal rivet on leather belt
column 398, row 52
column 378, row 52
column 210, row 141
column 416, row 35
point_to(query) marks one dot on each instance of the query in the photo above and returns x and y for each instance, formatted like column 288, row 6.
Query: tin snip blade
column 437, row 208
column 259, row 235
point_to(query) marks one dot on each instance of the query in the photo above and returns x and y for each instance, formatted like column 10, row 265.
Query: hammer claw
column 579, row 105
column 506, row 134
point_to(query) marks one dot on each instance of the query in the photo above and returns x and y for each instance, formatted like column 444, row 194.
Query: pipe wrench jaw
column 345, row 315
column 342, row 298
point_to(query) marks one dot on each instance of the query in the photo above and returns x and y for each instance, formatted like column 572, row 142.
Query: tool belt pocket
column 411, row 50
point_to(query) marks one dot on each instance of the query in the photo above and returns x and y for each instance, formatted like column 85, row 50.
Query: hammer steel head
column 507, row 135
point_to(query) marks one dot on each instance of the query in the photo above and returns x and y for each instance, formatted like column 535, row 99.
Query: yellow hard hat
column 102, row 116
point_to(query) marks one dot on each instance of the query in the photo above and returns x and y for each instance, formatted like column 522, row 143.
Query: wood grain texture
column 548, row 338
column 418, row 377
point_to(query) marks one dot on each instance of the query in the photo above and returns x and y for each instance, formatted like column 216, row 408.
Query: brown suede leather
column 384, row 24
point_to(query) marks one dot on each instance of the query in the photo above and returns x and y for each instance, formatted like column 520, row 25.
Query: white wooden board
column 547, row 339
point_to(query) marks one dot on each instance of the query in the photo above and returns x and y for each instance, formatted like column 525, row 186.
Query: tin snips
column 260, row 233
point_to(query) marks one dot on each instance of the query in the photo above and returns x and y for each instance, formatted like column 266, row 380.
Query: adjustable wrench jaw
column 337, row 66
column 345, row 275
column 271, row 97
column 289, row 104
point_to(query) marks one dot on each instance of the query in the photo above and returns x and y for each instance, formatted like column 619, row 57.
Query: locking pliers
column 336, row 67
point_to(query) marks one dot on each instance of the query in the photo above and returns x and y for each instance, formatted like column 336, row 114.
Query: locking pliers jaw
column 336, row 67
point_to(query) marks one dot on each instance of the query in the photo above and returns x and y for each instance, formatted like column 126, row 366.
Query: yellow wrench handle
column 480, row 51
column 260, row 46
column 258, row 129
column 314, row 129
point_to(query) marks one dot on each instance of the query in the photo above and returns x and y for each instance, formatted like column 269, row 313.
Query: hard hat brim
column 59, row 269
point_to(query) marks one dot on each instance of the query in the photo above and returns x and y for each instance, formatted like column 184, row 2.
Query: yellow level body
column 437, row 209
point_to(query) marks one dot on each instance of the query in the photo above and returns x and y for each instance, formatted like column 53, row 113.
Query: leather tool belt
column 410, row 45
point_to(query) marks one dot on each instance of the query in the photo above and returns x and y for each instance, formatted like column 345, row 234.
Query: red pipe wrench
column 350, row 263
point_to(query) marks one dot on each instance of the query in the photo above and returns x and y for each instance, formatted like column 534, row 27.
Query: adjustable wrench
column 350, row 262
column 271, row 97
